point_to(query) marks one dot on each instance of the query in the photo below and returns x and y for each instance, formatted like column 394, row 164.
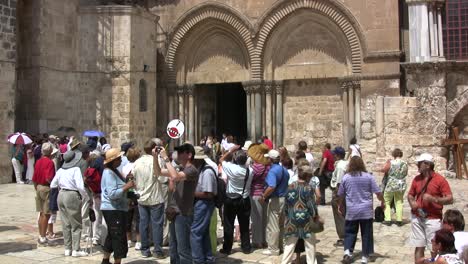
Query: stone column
column 357, row 109
column 344, row 88
column 181, row 101
column 258, row 110
column 439, row 27
column 351, row 119
column 418, row 31
column 191, row 115
column 268, row 110
column 279, row 113
column 436, row 31
column 379, row 125
column 249, row 114
column 432, row 32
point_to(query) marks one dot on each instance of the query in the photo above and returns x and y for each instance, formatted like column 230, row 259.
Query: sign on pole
column 175, row 129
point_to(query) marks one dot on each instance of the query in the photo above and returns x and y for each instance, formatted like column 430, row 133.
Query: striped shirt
column 358, row 190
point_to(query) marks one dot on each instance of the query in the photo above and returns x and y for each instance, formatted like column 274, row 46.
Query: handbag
column 317, row 225
column 171, row 213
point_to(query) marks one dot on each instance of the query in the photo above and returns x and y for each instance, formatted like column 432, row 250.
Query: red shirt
column 437, row 187
column 330, row 166
column 44, row 171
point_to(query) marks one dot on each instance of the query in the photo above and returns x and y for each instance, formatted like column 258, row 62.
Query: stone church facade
column 314, row 70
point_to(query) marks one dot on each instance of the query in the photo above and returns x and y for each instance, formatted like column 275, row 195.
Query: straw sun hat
column 257, row 153
column 113, row 154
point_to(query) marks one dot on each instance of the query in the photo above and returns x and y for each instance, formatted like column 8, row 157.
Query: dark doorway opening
column 231, row 111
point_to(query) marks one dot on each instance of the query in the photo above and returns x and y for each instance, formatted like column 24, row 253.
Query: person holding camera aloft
column 150, row 202
column 427, row 196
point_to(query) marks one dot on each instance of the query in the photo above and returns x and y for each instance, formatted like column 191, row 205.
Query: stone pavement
column 18, row 234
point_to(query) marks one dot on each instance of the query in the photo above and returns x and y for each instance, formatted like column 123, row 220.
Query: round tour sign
column 175, row 128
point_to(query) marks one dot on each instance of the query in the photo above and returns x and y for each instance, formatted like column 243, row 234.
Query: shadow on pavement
column 8, row 228
column 9, row 247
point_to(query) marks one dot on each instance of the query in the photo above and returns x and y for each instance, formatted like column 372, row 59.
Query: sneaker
column 20, row 182
column 339, row 243
column 129, row 243
column 79, row 253
column 42, row 241
column 68, row 252
column 137, row 245
column 246, row 251
column 96, row 242
column 347, row 259
column 399, row 223
column 387, row 223
column 160, row 255
column 146, row 253
column 269, row 253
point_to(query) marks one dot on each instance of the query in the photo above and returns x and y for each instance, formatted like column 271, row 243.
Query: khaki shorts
column 42, row 199
column 422, row 231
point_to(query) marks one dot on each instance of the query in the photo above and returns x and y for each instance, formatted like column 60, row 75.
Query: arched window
column 143, row 96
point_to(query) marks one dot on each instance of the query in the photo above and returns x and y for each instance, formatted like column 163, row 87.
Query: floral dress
column 300, row 209
column 397, row 176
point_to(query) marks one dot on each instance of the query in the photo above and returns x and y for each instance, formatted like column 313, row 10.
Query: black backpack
column 220, row 187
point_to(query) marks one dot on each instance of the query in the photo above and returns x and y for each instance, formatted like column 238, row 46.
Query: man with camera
column 150, row 202
column 427, row 196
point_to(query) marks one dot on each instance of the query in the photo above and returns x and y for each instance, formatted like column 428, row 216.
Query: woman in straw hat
column 70, row 181
column 260, row 168
column 114, row 206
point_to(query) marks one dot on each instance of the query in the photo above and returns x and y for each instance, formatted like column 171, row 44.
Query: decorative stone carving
column 268, row 87
column 278, row 87
column 180, row 90
column 189, row 89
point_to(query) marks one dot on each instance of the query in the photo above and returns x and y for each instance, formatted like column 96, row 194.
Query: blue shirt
column 278, row 178
column 112, row 196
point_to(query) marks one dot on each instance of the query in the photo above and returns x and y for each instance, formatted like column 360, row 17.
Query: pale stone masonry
column 8, row 64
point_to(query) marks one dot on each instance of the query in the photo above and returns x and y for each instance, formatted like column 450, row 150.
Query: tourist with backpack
column 204, row 205
column 237, row 203
column 92, row 178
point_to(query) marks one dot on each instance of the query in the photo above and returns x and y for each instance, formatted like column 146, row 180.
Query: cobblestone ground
column 18, row 234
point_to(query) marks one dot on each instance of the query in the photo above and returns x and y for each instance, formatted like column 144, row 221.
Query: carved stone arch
column 455, row 106
column 332, row 9
column 209, row 10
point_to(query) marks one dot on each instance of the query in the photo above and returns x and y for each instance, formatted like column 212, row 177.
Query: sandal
column 50, row 235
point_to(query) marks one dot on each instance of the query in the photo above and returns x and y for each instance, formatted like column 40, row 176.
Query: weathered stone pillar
column 418, row 31
column 351, row 113
column 439, row 27
column 432, row 32
column 181, row 97
column 279, row 113
column 258, row 110
column 345, row 101
column 268, row 110
column 191, row 115
column 357, row 109
column 249, row 114
column 379, row 125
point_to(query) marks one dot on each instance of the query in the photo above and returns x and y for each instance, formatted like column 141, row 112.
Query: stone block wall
column 7, row 82
column 313, row 111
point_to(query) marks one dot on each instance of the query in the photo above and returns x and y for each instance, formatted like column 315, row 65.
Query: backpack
column 220, row 187
column 93, row 179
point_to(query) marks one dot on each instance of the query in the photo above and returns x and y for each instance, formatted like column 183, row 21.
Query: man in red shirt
column 427, row 196
column 44, row 172
column 327, row 166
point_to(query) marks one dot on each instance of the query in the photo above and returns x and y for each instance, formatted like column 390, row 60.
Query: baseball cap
column 339, row 151
column 425, row 157
column 272, row 154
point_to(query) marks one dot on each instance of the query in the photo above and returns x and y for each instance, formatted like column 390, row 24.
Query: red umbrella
column 19, row 138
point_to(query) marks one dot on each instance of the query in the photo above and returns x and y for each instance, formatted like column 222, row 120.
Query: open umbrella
column 19, row 138
column 93, row 133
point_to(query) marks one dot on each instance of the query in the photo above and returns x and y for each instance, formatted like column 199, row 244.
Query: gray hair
column 47, row 148
column 157, row 141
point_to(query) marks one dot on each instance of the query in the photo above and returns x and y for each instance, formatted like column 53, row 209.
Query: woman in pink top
column 259, row 210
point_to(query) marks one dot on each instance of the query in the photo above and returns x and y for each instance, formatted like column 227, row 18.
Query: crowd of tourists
column 267, row 198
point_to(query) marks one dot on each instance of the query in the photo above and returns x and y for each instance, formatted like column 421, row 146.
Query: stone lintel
column 433, row 66
column 409, row 2
column 119, row 10
column 383, row 55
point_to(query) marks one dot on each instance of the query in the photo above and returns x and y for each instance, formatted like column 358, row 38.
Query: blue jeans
column 200, row 235
column 367, row 235
column 156, row 214
column 179, row 245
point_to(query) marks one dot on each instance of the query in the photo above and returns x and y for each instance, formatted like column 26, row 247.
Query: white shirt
column 147, row 185
column 309, row 158
column 355, row 150
column 70, row 179
column 461, row 241
column 127, row 169
column 235, row 179
column 340, row 170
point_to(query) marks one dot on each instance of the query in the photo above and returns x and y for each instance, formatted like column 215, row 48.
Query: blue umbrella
column 93, row 133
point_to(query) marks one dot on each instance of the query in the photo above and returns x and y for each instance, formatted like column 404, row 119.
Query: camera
column 422, row 213
column 133, row 195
